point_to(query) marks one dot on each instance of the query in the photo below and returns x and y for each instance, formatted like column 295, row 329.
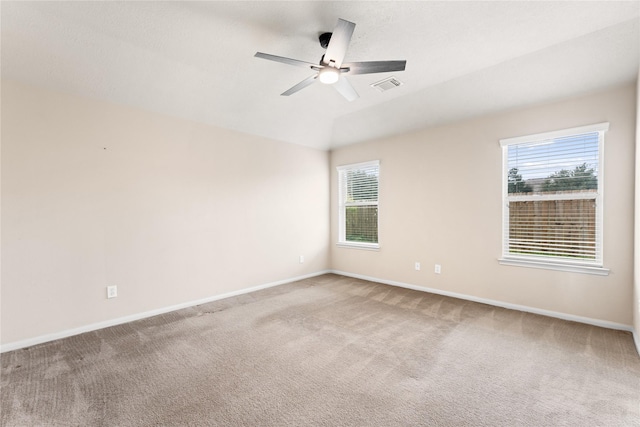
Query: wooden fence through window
column 553, row 227
column 362, row 224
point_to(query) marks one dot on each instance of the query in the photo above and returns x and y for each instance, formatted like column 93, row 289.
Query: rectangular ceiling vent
column 386, row 84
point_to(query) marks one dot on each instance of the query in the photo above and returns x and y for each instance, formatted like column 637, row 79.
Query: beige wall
column 95, row 194
column 440, row 202
column 636, row 277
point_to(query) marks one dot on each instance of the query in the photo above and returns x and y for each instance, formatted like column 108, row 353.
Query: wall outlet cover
column 112, row 291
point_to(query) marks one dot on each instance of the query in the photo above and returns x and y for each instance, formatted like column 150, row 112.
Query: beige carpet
column 329, row 351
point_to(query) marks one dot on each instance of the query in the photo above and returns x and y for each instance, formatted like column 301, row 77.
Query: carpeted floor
column 329, row 351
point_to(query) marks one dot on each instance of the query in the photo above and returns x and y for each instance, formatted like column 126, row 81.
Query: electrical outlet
column 112, row 291
column 438, row 269
column 301, row 259
column 417, row 266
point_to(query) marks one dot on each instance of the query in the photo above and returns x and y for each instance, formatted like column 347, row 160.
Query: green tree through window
column 581, row 178
column 516, row 184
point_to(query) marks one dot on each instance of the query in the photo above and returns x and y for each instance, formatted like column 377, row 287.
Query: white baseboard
column 138, row 316
column 548, row 313
column 636, row 339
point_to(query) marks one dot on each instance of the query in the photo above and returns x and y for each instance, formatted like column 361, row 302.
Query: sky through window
column 540, row 160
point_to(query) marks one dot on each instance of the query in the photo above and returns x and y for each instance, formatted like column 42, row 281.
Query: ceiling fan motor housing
column 325, row 38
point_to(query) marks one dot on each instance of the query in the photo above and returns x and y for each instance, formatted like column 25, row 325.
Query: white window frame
column 342, row 205
column 590, row 267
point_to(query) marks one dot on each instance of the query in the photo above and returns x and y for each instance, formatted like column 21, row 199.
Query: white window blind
column 358, row 204
column 552, row 192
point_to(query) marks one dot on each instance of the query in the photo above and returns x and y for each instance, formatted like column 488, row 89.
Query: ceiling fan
column 331, row 70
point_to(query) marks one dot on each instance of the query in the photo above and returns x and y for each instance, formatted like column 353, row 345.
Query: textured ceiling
column 195, row 59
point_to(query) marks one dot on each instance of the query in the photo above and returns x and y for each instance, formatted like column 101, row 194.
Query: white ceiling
column 195, row 59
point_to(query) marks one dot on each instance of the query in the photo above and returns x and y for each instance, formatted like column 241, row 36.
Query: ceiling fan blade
column 306, row 82
column 371, row 67
column 345, row 89
column 289, row 61
column 339, row 42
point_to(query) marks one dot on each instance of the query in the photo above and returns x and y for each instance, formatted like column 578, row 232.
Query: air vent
column 386, row 84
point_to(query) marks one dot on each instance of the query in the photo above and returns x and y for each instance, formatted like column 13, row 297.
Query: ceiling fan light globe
column 328, row 75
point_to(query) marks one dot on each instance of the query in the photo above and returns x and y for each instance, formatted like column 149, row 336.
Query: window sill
column 573, row 268
column 355, row 245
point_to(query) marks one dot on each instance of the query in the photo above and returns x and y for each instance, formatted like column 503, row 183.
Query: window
column 358, row 205
column 552, row 199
